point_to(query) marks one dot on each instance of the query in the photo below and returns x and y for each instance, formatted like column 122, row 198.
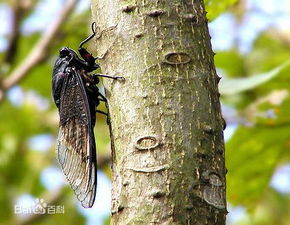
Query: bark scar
column 152, row 169
column 155, row 13
column 177, row 58
column 129, row 8
column 147, row 142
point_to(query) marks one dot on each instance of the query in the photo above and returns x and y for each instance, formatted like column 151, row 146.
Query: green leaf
column 252, row 155
column 238, row 85
column 231, row 62
column 216, row 7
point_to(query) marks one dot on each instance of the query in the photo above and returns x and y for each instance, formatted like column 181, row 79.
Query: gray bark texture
column 166, row 124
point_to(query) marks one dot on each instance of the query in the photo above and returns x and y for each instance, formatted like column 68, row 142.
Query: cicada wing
column 76, row 151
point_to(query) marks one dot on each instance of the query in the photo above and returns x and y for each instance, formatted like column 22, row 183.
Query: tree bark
column 166, row 124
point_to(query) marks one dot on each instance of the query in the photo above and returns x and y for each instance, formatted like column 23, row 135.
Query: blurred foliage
column 35, row 114
column 259, row 92
column 258, row 147
column 215, row 7
column 235, row 86
column 253, row 160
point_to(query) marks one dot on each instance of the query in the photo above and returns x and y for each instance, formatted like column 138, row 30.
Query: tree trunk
column 166, row 124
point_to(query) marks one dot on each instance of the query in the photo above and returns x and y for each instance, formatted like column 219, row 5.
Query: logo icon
column 39, row 206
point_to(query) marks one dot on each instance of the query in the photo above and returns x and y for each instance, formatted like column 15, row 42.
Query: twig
column 20, row 9
column 39, row 51
column 17, row 15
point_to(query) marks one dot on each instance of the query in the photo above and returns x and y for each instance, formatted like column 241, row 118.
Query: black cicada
column 76, row 96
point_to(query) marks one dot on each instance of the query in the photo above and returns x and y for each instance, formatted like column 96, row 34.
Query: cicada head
column 64, row 52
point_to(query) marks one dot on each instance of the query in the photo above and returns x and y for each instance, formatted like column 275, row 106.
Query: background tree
column 251, row 42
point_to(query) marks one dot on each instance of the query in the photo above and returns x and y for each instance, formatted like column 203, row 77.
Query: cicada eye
column 64, row 52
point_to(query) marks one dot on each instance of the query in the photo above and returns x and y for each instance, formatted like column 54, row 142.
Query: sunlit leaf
column 252, row 155
column 236, row 66
column 216, row 7
column 232, row 86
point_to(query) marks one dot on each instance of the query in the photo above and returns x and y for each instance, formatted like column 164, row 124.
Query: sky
column 225, row 35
